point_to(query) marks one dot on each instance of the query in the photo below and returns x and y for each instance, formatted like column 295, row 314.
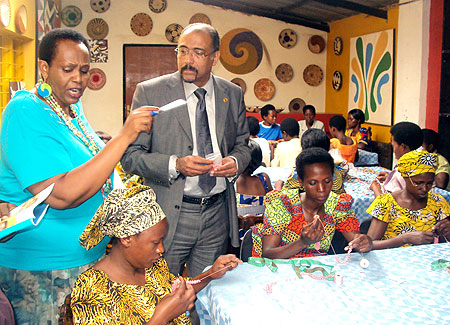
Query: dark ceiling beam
column 294, row 5
column 252, row 10
column 380, row 13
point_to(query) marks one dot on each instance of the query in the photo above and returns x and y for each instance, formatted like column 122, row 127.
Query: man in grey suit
column 196, row 194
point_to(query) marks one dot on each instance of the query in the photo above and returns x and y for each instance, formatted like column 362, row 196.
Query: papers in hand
column 26, row 215
column 175, row 104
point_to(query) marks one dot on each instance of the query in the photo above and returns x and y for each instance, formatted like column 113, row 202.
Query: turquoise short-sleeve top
column 35, row 145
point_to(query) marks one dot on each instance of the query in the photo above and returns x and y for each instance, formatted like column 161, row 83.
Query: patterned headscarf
column 125, row 212
column 417, row 162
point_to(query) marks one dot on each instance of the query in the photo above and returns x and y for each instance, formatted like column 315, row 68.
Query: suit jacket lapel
column 222, row 106
column 176, row 91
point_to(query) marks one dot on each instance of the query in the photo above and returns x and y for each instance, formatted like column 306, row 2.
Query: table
column 398, row 287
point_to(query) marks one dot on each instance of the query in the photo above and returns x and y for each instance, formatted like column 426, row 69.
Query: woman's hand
column 224, row 263
column 442, row 228
column 5, row 208
column 360, row 242
column 418, row 237
column 312, row 232
column 139, row 120
column 174, row 304
column 382, row 176
column 279, row 185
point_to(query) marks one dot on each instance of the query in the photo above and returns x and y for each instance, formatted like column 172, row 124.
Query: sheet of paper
column 175, row 104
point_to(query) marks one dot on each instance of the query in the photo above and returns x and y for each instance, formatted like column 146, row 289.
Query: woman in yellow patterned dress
column 133, row 285
column 409, row 216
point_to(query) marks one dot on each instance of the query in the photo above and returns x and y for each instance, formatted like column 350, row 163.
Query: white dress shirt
column 191, row 187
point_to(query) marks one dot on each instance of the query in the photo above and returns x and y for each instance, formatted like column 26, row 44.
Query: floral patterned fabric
column 98, row 300
column 36, row 296
column 284, row 217
column 401, row 220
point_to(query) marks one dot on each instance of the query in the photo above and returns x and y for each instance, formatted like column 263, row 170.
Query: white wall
column 412, row 62
column 104, row 107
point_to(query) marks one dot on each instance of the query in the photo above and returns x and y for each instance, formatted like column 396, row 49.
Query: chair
column 246, row 246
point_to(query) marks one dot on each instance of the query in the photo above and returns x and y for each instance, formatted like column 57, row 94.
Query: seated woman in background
column 346, row 145
column 294, row 221
column 405, row 137
column 133, row 285
column 408, row 217
column 251, row 189
column 317, row 138
column 431, row 144
column 362, row 135
column 309, row 112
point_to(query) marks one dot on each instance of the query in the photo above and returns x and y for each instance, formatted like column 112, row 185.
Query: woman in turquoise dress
column 45, row 139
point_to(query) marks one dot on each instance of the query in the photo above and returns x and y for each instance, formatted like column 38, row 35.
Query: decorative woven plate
column 97, row 28
column 141, row 24
column 157, row 6
column 241, row 83
column 97, row 79
column 337, row 45
column 71, row 16
column 5, row 13
column 100, row 5
column 21, row 19
column 313, row 75
column 241, row 51
column 316, row 44
column 173, row 32
column 284, row 72
column 296, row 105
column 337, row 80
column 200, row 18
column 264, row 89
column 287, row 38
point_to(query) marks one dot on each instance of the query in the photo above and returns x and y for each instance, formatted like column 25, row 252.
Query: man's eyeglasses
column 197, row 53
column 426, row 186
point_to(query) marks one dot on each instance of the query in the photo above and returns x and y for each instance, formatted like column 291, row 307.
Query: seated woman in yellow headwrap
column 133, row 285
column 409, row 216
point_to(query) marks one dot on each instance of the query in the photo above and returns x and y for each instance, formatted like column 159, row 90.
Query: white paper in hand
column 175, row 104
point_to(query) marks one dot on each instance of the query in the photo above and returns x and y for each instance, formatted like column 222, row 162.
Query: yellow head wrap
column 417, row 162
column 125, row 212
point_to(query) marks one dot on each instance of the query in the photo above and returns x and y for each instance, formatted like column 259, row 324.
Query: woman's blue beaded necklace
column 84, row 136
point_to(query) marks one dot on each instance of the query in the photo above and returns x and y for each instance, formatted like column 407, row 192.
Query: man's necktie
column 204, row 143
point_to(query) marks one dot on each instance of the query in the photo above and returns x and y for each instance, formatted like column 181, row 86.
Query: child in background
column 431, row 144
column 286, row 152
column 253, row 129
column 355, row 119
column 309, row 112
column 347, row 146
column 269, row 130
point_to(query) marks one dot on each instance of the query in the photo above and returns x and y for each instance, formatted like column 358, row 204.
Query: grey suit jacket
column 171, row 134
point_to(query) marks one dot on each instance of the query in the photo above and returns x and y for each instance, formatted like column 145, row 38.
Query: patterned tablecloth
column 357, row 185
column 398, row 287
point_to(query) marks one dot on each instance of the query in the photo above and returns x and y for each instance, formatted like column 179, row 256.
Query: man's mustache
column 189, row 67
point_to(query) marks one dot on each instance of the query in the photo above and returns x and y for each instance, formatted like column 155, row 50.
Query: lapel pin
column 225, row 100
